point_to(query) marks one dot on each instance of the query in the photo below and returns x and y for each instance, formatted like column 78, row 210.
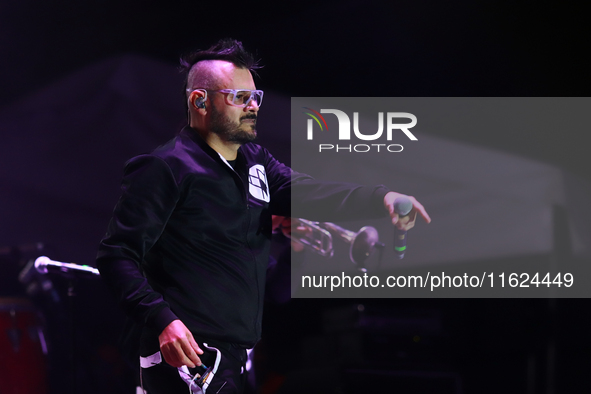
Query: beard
column 230, row 130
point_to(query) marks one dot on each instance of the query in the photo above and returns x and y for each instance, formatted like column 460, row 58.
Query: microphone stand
column 70, row 271
column 72, row 314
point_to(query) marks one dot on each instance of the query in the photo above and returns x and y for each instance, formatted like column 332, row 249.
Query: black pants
column 229, row 378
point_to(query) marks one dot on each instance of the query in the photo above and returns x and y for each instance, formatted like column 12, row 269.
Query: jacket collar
column 194, row 136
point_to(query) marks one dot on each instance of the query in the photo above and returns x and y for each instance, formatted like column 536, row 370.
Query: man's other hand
column 178, row 346
column 406, row 222
column 285, row 225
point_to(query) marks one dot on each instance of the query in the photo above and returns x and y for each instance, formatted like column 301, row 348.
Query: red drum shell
column 23, row 368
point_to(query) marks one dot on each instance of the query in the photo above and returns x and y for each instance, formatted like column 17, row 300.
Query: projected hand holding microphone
column 317, row 236
column 403, row 211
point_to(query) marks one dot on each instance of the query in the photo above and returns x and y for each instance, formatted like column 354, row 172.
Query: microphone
column 35, row 282
column 402, row 206
column 44, row 265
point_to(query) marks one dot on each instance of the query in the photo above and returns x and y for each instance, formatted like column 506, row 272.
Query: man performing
column 188, row 245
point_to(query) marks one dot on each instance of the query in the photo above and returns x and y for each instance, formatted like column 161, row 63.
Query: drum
column 23, row 368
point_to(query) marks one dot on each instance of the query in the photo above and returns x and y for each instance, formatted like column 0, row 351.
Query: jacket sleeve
column 299, row 195
column 149, row 196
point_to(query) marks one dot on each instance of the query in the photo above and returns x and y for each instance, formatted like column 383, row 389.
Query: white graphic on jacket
column 257, row 183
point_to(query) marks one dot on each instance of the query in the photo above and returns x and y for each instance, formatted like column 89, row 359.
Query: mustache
column 249, row 116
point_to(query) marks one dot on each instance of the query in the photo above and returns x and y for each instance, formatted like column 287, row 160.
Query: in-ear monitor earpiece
column 200, row 102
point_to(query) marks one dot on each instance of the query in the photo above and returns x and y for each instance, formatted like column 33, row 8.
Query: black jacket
column 190, row 236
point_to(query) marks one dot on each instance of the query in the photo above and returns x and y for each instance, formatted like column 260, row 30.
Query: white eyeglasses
column 239, row 97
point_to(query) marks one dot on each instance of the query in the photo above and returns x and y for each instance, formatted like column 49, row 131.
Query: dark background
column 329, row 48
column 354, row 48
